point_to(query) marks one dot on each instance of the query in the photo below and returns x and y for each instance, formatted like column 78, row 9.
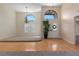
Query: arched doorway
column 51, row 16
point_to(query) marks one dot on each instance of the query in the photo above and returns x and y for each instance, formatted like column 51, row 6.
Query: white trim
column 71, row 42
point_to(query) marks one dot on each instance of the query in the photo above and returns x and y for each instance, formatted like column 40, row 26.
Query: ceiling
column 29, row 7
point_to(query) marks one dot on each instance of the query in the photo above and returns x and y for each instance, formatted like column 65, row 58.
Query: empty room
column 39, row 27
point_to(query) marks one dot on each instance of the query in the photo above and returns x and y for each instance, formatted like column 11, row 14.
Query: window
column 30, row 18
column 50, row 15
column 30, row 24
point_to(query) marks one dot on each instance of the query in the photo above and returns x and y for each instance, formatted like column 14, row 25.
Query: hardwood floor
column 44, row 45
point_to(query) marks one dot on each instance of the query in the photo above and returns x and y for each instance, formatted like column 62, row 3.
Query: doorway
column 52, row 17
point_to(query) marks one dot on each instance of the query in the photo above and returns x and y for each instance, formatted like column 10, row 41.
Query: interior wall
column 57, row 33
column 7, row 22
column 69, row 11
column 77, row 28
column 20, row 17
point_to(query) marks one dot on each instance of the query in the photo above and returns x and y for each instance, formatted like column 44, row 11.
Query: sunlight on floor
column 54, row 47
column 31, row 47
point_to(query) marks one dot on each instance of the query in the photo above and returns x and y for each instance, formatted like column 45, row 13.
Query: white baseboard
column 69, row 41
column 21, row 38
column 6, row 37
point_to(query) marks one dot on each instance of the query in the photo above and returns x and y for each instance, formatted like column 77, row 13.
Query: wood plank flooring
column 44, row 45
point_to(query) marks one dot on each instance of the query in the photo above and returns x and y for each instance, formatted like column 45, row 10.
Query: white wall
column 69, row 11
column 7, row 22
column 20, row 18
